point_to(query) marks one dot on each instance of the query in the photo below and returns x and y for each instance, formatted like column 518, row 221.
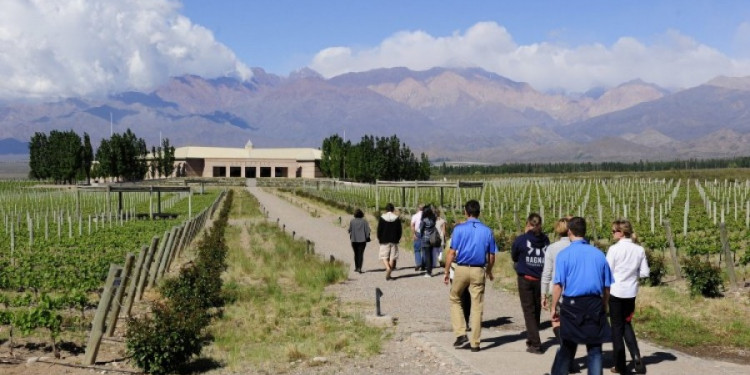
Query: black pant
column 427, row 260
column 620, row 313
column 530, row 292
column 359, row 252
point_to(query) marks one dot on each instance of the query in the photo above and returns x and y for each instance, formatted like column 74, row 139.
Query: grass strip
column 278, row 313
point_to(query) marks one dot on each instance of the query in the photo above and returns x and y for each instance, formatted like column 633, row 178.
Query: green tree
column 38, row 162
column 333, row 156
column 106, row 160
column 424, row 167
column 373, row 158
column 87, row 157
column 64, row 155
column 123, row 157
column 167, row 158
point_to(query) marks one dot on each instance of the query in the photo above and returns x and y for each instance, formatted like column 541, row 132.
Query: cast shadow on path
column 657, row 357
column 503, row 339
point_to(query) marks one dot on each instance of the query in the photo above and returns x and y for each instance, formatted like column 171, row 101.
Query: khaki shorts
column 388, row 251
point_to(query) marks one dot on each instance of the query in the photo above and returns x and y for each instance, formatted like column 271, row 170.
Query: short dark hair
column 577, row 226
column 472, row 208
column 359, row 213
column 389, row 207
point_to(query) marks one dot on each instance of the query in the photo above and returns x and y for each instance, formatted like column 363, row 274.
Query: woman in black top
column 427, row 227
column 527, row 253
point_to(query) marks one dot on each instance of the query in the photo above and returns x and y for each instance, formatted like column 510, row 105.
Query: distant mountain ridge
column 451, row 114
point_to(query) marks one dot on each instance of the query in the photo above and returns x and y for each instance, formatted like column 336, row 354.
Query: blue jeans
column 418, row 252
column 566, row 353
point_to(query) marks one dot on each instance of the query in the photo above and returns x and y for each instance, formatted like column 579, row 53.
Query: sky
column 62, row 48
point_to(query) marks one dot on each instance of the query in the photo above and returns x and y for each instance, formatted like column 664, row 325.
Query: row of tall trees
column 60, row 156
column 639, row 166
column 373, row 158
column 122, row 156
column 162, row 160
column 63, row 157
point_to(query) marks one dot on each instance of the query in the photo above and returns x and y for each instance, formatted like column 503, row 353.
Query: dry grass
column 279, row 315
column 717, row 327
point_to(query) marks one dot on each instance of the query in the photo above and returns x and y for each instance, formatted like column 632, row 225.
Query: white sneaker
column 427, row 275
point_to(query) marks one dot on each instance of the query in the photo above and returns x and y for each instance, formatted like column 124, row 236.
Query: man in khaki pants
column 473, row 249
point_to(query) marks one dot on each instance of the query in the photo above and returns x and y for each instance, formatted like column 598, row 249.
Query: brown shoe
column 534, row 350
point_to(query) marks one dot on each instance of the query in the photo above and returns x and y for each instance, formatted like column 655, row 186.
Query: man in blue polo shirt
column 582, row 278
column 473, row 249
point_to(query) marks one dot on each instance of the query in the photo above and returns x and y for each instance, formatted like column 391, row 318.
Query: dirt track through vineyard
column 423, row 336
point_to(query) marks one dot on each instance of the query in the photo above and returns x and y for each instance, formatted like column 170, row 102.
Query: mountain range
column 461, row 115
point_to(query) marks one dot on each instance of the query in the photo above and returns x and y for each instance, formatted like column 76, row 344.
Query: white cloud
column 59, row 48
column 674, row 61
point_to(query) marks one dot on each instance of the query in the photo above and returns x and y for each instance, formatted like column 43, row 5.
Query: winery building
column 248, row 162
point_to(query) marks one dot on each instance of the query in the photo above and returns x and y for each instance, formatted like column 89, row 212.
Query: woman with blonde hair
column 627, row 260
column 548, row 272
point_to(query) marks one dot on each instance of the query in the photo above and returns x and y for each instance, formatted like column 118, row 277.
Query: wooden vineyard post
column 97, row 326
column 135, row 279
column 728, row 259
column 672, row 249
column 174, row 250
column 151, row 204
column 143, row 278
column 167, row 251
column 154, row 270
column 114, row 310
column 178, row 245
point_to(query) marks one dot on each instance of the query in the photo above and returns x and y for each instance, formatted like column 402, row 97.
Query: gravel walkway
column 423, row 337
column 419, row 304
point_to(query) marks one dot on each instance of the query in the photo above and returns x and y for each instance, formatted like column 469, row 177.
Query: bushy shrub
column 501, row 240
column 704, row 278
column 160, row 343
column 657, row 268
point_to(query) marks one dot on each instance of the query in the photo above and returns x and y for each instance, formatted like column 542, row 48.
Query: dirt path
column 422, row 338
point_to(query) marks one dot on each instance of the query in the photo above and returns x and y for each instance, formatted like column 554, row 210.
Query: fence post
column 184, row 239
column 97, row 326
column 154, row 269
column 672, row 249
column 135, row 280
column 116, row 304
column 143, row 278
column 728, row 259
column 167, row 252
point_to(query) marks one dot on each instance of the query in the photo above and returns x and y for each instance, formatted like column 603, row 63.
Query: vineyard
column 687, row 211
column 56, row 247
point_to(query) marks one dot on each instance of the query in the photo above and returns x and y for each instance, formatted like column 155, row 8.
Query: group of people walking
column 583, row 283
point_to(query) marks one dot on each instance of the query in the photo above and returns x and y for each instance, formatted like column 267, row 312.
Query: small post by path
column 378, row 294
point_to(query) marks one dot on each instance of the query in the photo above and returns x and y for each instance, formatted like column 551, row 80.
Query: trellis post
column 97, row 326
